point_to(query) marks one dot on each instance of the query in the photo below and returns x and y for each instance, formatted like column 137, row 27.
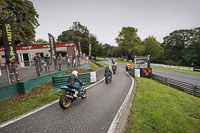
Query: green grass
column 159, row 108
column 24, row 103
column 176, row 70
column 122, row 61
column 100, row 62
column 101, row 59
column 94, row 66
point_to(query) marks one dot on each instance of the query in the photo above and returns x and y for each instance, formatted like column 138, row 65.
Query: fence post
column 166, row 81
column 194, row 89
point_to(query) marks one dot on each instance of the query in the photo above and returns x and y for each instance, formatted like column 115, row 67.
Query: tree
column 129, row 43
column 24, row 17
column 79, row 33
column 152, row 48
column 41, row 41
column 179, row 44
column 106, row 48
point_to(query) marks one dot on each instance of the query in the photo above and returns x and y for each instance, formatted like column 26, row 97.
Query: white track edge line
column 121, row 109
column 36, row 110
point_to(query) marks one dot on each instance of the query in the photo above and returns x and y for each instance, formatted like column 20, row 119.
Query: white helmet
column 75, row 73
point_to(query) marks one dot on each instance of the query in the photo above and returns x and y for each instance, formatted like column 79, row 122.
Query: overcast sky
column 105, row 18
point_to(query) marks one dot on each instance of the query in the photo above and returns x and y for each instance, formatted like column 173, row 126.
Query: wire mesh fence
column 34, row 68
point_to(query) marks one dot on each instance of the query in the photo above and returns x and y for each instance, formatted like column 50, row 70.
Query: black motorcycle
column 108, row 78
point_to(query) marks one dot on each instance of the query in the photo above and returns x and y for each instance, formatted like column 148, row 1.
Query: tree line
column 181, row 47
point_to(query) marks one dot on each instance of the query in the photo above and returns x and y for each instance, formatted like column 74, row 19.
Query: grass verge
column 94, row 66
column 101, row 59
column 122, row 61
column 176, row 70
column 23, row 103
column 103, row 64
column 159, row 108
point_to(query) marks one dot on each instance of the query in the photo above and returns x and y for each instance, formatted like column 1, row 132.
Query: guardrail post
column 166, row 81
column 194, row 90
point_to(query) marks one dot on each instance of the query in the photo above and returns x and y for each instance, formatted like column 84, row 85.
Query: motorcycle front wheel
column 84, row 94
column 64, row 102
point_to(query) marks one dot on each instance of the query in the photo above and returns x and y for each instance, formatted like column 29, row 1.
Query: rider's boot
column 75, row 93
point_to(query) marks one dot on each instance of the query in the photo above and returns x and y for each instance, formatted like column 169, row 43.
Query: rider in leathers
column 108, row 71
column 71, row 82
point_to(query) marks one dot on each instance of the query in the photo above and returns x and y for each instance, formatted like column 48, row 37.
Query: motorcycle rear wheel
column 64, row 102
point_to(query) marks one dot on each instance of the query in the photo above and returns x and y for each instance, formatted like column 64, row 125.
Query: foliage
column 159, row 108
column 24, row 19
column 182, row 47
column 80, row 33
column 41, row 41
column 152, row 48
column 129, row 43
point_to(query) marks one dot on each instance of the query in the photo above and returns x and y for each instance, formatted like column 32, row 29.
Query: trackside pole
column 8, row 74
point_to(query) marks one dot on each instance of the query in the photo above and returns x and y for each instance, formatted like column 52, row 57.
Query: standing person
column 60, row 61
column 67, row 61
column 55, row 62
column 37, row 61
column 47, row 59
column 78, row 60
column 13, row 71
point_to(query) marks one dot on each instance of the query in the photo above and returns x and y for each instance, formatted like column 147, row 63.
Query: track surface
column 188, row 78
column 91, row 115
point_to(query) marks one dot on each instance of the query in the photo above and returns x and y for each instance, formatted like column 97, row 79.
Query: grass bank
column 103, row 64
column 122, row 61
column 23, row 103
column 159, row 108
column 101, row 59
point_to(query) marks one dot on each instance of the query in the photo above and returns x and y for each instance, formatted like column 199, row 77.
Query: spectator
column 60, row 61
column 13, row 71
column 37, row 60
column 47, row 59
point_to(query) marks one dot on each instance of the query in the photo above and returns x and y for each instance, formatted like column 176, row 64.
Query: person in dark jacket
column 108, row 71
column 72, row 80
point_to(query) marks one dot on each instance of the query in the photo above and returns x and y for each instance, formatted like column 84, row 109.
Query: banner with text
column 9, row 41
column 52, row 46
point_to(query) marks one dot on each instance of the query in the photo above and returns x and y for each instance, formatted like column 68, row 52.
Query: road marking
column 36, row 110
column 121, row 109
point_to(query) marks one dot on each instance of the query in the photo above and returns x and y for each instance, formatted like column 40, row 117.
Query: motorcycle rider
column 71, row 82
column 108, row 71
column 114, row 65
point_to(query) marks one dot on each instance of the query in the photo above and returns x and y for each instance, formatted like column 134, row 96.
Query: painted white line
column 95, row 83
column 36, row 110
column 121, row 109
column 25, row 115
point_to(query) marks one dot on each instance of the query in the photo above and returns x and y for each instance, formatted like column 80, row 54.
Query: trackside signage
column 8, row 40
column 39, row 46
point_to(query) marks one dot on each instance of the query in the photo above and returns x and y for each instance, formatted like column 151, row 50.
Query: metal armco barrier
column 100, row 73
column 185, row 87
column 63, row 80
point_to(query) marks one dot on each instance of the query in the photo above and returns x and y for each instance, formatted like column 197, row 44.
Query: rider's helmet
column 75, row 72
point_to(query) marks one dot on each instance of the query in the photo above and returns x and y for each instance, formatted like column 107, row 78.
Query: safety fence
column 185, row 87
column 26, row 86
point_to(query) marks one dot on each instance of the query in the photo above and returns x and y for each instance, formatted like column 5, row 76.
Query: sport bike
column 67, row 98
